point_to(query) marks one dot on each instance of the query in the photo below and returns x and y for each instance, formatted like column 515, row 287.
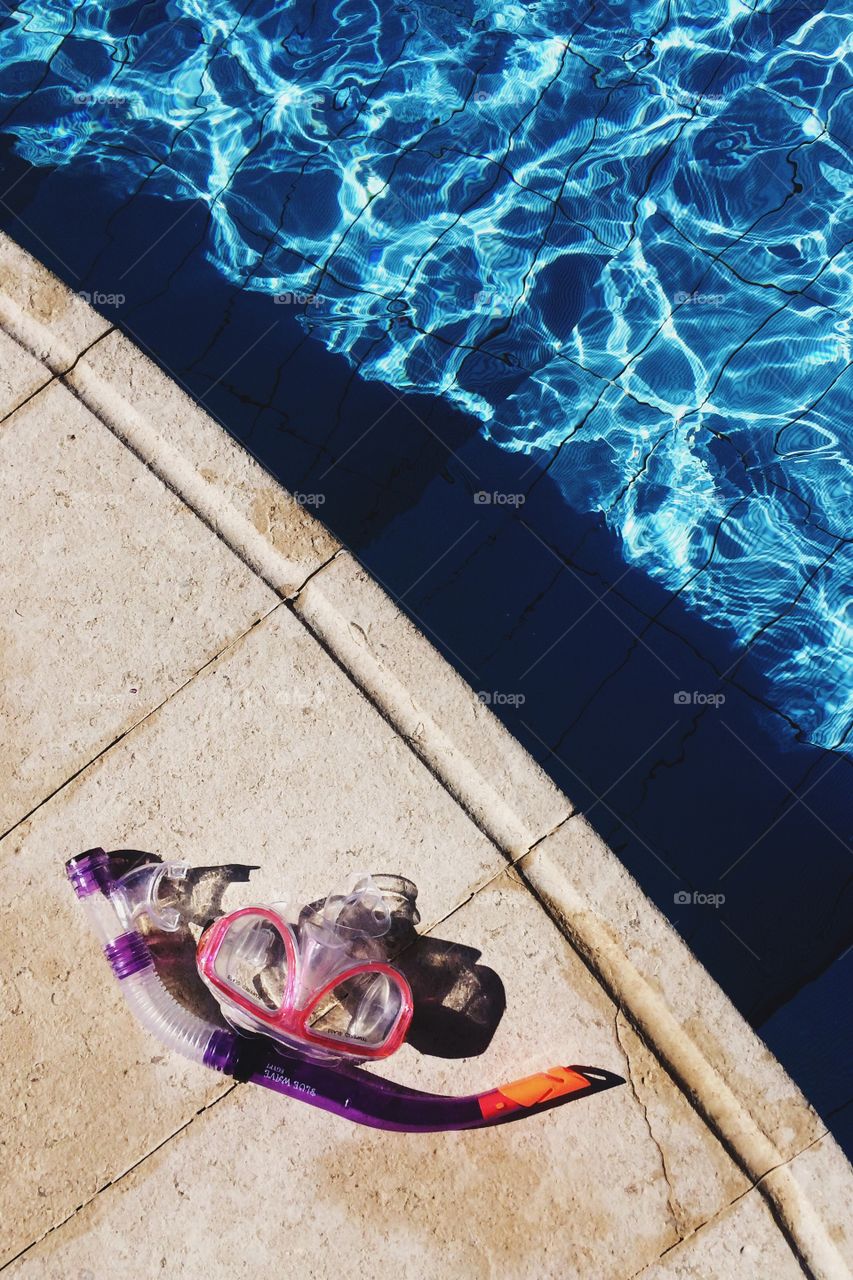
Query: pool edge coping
column 536, row 835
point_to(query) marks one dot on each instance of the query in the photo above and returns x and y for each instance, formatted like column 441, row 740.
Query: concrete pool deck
column 191, row 665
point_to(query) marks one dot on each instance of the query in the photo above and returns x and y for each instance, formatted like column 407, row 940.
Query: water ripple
column 621, row 244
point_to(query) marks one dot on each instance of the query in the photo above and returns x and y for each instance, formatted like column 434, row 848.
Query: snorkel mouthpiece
column 114, row 921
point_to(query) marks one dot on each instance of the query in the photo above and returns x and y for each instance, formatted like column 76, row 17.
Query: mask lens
column 361, row 1010
column 252, row 960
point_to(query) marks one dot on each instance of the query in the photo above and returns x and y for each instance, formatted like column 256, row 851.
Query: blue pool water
column 548, row 316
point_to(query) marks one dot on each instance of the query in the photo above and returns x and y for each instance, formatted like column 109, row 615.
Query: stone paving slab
column 574, row 860
column 823, row 1171
column 741, row 1244
column 720, row 1062
column 269, row 757
column 49, row 319
column 271, row 529
column 20, row 375
column 446, row 721
column 593, row 1189
column 116, row 595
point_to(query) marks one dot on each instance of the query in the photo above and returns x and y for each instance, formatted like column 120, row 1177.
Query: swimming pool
column 549, row 321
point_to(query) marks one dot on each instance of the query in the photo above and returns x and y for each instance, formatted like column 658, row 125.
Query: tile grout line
column 137, row 724
column 53, row 375
column 58, row 1226
column 721, row 1212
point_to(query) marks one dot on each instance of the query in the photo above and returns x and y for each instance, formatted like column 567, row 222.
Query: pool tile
column 53, row 322
column 117, row 593
column 20, row 375
column 391, row 658
column 742, row 1242
column 579, row 875
column 124, row 387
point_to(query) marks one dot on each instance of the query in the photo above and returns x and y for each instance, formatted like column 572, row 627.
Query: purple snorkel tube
column 344, row 1090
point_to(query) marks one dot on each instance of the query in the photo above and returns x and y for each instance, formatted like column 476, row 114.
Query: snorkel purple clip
column 115, row 906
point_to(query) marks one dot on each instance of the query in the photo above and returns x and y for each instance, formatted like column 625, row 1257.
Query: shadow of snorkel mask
column 305, row 1003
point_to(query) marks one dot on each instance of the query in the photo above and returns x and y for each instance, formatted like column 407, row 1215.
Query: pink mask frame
column 290, row 1021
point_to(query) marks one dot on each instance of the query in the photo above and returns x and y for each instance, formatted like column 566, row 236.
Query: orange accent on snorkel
column 531, row 1091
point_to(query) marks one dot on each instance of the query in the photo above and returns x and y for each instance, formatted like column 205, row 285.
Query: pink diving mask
column 323, row 987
